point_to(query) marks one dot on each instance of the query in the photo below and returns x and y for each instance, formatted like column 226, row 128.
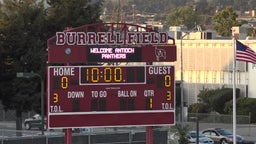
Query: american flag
column 244, row 53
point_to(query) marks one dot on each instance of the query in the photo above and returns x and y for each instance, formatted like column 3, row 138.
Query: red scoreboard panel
column 84, row 96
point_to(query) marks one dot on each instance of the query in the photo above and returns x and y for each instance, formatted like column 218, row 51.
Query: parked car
column 34, row 122
column 192, row 136
column 222, row 136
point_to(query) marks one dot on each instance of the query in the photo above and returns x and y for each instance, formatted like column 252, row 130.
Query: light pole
column 31, row 75
column 181, row 80
column 197, row 128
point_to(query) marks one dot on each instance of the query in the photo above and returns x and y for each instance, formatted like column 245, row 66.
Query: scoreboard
column 84, row 96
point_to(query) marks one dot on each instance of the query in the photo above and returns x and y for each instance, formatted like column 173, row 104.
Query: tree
column 215, row 99
column 72, row 13
column 25, row 27
column 183, row 16
column 251, row 32
column 225, row 20
column 221, row 97
column 204, row 96
column 22, row 45
column 182, row 132
column 199, row 108
column 244, row 107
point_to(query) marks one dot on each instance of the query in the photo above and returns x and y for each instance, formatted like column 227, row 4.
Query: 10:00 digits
column 112, row 75
column 106, row 75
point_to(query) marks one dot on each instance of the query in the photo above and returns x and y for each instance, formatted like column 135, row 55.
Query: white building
column 208, row 63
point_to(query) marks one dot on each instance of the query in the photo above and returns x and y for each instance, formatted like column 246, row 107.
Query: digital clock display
column 120, row 94
column 112, row 75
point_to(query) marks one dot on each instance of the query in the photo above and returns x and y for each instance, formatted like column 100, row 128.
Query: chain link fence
column 10, row 115
column 220, row 118
column 97, row 136
column 8, row 132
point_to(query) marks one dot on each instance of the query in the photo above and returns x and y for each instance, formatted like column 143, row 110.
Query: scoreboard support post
column 68, row 136
column 149, row 135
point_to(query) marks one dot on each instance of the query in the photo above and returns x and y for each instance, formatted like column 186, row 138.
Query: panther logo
column 160, row 53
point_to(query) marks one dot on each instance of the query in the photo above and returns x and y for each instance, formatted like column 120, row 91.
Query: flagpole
column 234, row 91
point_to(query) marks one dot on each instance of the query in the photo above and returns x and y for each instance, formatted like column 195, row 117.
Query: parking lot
column 248, row 131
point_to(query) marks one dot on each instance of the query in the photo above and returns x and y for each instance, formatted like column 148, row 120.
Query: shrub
column 199, row 108
column 244, row 107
